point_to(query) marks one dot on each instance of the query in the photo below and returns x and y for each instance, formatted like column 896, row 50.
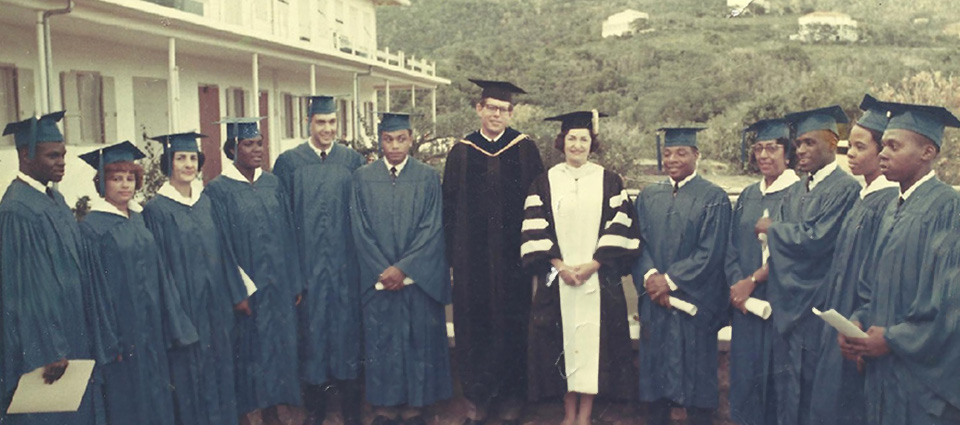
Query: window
column 9, row 105
column 90, row 102
column 16, row 96
column 302, row 112
column 346, row 118
column 288, row 114
column 235, row 103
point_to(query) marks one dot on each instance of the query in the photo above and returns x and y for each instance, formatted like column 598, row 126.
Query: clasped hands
column 855, row 349
column 576, row 275
column 658, row 289
column 392, row 278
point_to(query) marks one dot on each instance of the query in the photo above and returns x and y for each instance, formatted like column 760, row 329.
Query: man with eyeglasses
column 485, row 183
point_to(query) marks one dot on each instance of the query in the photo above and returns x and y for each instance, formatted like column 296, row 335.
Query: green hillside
column 695, row 66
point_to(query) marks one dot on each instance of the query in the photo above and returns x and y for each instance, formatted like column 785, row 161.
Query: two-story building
column 131, row 69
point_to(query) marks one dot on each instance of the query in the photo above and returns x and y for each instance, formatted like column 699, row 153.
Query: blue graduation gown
column 255, row 222
column 839, row 396
column 209, row 284
column 894, row 294
column 405, row 335
column 319, row 192
column 802, row 242
column 751, row 397
column 685, row 237
column 149, row 317
column 48, row 312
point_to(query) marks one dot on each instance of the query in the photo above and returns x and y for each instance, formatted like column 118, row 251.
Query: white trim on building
column 126, row 69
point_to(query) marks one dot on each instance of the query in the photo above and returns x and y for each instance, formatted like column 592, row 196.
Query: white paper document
column 764, row 248
column 35, row 396
column 406, row 282
column 759, row 307
column 683, row 306
column 247, row 282
column 840, row 323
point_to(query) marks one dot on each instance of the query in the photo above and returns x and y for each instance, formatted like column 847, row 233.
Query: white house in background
column 622, row 23
column 129, row 69
column 826, row 27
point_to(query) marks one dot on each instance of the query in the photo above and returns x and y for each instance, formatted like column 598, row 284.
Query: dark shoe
column 415, row 420
column 383, row 420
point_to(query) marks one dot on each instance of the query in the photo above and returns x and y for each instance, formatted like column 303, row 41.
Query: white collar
column 877, row 184
column 326, row 151
column 493, row 139
column 196, row 188
column 787, row 178
column 399, row 166
column 30, row 181
column 101, row 205
column 232, row 172
column 583, row 170
column 686, row 180
column 822, row 174
column 913, row 188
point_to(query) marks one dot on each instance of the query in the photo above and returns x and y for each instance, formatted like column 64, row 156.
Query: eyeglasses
column 495, row 108
column 771, row 149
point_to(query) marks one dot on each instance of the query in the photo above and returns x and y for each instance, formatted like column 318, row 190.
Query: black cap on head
column 579, row 119
column 502, row 90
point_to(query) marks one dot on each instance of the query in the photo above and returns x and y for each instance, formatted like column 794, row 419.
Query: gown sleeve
column 31, row 324
column 693, row 274
column 423, row 259
column 538, row 241
column 732, row 267
column 619, row 241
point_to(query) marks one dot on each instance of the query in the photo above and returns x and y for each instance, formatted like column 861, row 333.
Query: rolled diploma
column 759, row 307
column 683, row 306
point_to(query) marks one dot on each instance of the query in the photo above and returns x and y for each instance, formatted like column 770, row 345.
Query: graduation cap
column 33, row 130
column 925, row 120
column 241, row 128
column 767, row 129
column 120, row 152
column 393, row 121
column 321, row 105
column 818, row 119
column 676, row 136
column 502, row 90
column 589, row 120
column 875, row 114
column 179, row 142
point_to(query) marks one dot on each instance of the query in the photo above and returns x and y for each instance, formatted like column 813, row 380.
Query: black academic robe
column 896, row 296
column 47, row 310
column 484, row 186
column 802, row 241
column 617, row 247
column 838, row 399
column 685, row 237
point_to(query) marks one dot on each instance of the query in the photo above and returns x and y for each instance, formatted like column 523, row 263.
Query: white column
column 41, row 95
column 313, row 80
column 413, row 96
column 173, row 87
column 433, row 109
column 386, row 91
column 255, row 95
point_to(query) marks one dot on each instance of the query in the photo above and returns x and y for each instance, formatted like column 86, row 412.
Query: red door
column 265, row 128
column 209, row 114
